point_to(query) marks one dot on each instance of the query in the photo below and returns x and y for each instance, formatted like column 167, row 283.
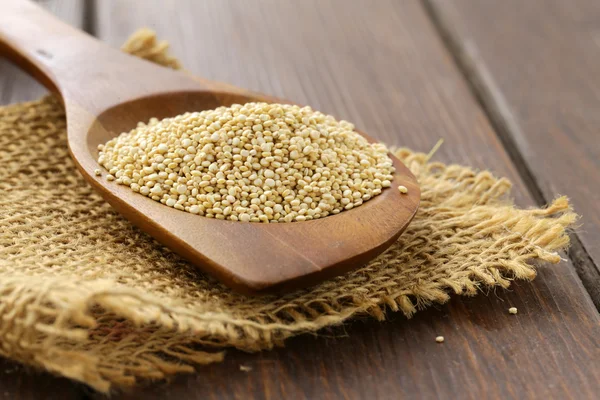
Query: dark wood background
column 511, row 86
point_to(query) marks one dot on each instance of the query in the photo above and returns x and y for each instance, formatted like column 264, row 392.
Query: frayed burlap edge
column 466, row 236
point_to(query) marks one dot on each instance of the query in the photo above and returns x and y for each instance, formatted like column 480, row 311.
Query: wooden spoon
column 106, row 92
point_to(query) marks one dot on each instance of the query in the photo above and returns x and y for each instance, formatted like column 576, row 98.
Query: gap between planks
column 494, row 106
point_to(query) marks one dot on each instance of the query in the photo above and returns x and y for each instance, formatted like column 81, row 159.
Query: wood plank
column 382, row 65
column 537, row 69
column 16, row 85
column 20, row 383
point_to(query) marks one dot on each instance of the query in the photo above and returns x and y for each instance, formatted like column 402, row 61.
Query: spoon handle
column 44, row 46
column 73, row 64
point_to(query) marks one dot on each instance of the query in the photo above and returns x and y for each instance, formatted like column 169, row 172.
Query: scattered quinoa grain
column 402, row 189
column 513, row 310
column 109, row 177
column 97, row 172
column 439, row 339
column 255, row 162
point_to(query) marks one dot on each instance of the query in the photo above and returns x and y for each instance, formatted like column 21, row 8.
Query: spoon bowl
column 106, row 92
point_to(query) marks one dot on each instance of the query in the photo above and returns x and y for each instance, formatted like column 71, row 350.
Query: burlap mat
column 86, row 295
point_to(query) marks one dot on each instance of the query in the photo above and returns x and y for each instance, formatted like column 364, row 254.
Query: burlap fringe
column 111, row 314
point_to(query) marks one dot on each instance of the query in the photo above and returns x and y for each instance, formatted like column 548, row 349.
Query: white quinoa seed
column 255, row 162
column 439, row 339
column 402, row 189
column 513, row 310
column 97, row 172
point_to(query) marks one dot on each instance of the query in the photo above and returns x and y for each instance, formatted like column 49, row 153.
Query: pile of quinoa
column 256, row 162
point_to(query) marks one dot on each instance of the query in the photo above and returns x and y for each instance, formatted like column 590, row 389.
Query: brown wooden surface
column 537, row 69
column 21, row 383
column 383, row 65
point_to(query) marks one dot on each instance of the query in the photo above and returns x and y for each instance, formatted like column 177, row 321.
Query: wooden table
column 512, row 86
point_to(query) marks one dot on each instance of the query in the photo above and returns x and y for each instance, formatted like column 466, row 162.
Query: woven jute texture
column 86, row 295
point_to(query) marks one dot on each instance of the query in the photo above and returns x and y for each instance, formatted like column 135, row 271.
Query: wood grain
column 537, row 70
column 16, row 85
column 20, row 383
column 381, row 65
